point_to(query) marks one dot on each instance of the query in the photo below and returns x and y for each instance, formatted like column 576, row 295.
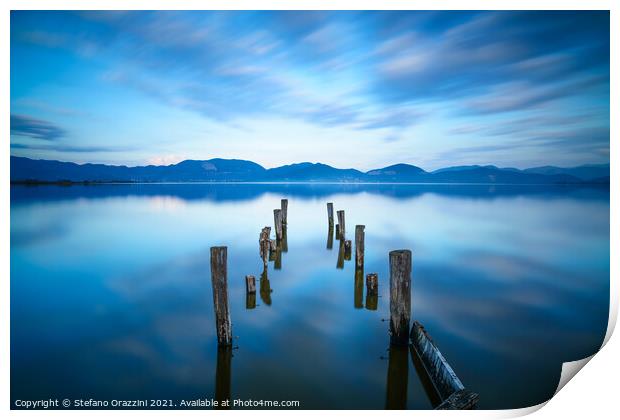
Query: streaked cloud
column 23, row 125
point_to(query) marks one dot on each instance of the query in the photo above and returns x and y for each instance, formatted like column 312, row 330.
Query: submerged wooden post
column 397, row 379
column 330, row 214
column 263, row 244
column 330, row 237
column 400, row 296
column 359, row 246
column 284, row 209
column 277, row 219
column 341, row 231
column 219, row 281
column 358, row 289
column 453, row 394
column 222, row 377
column 347, row 250
column 372, row 291
column 265, row 288
column 340, row 262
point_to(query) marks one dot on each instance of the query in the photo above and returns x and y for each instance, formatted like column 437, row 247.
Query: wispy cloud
column 23, row 125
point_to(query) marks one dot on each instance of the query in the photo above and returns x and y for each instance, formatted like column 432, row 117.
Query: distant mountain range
column 232, row 170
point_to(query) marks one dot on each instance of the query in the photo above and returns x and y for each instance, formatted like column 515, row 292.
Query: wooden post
column 400, row 296
column 284, row 209
column 219, row 282
column 359, row 247
column 265, row 288
column 358, row 289
column 277, row 262
column 273, row 249
column 372, row 291
column 341, row 223
column 397, row 379
column 284, row 244
column 337, row 232
column 250, row 284
column 330, row 214
column 263, row 244
column 277, row 219
column 347, row 250
column 449, row 387
column 222, row 377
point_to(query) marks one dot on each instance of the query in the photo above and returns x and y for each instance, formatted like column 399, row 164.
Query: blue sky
column 350, row 89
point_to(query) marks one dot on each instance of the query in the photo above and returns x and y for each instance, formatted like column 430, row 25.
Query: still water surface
column 111, row 291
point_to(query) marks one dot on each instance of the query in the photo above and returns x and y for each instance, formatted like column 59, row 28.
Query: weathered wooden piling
column 372, row 284
column 277, row 262
column 277, row 220
column 358, row 289
column 222, row 376
column 359, row 246
column 265, row 288
column 342, row 229
column 347, row 250
column 330, row 237
column 330, row 214
column 453, row 394
column 284, row 209
column 273, row 249
column 397, row 379
column 284, row 244
column 219, row 281
column 372, row 291
column 400, row 296
column 250, row 284
column 337, row 232
column 264, row 245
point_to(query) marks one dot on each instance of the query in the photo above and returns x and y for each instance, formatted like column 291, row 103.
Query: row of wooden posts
column 445, row 382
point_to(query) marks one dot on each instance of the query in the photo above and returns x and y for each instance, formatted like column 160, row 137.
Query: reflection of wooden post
column 397, row 379
column 265, row 288
column 400, row 296
column 330, row 237
column 330, row 214
column 359, row 246
column 284, row 239
column 340, row 263
column 284, row 209
column 222, row 376
column 448, row 385
column 263, row 244
column 341, row 223
column 372, row 291
column 347, row 250
column 358, row 291
column 277, row 219
column 219, row 281
column 337, row 232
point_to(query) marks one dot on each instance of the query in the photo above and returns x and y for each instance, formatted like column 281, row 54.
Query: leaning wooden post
column 347, row 249
column 219, row 281
column 330, row 214
column 359, row 247
column 400, row 296
column 341, row 230
column 453, row 394
column 284, row 209
column 277, row 219
column 264, row 245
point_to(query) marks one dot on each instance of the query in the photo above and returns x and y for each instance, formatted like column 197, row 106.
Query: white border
column 593, row 394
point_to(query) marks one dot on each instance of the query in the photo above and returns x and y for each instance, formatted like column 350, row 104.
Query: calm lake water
column 111, row 291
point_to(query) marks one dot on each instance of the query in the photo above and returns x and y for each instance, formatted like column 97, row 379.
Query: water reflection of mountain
column 243, row 192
